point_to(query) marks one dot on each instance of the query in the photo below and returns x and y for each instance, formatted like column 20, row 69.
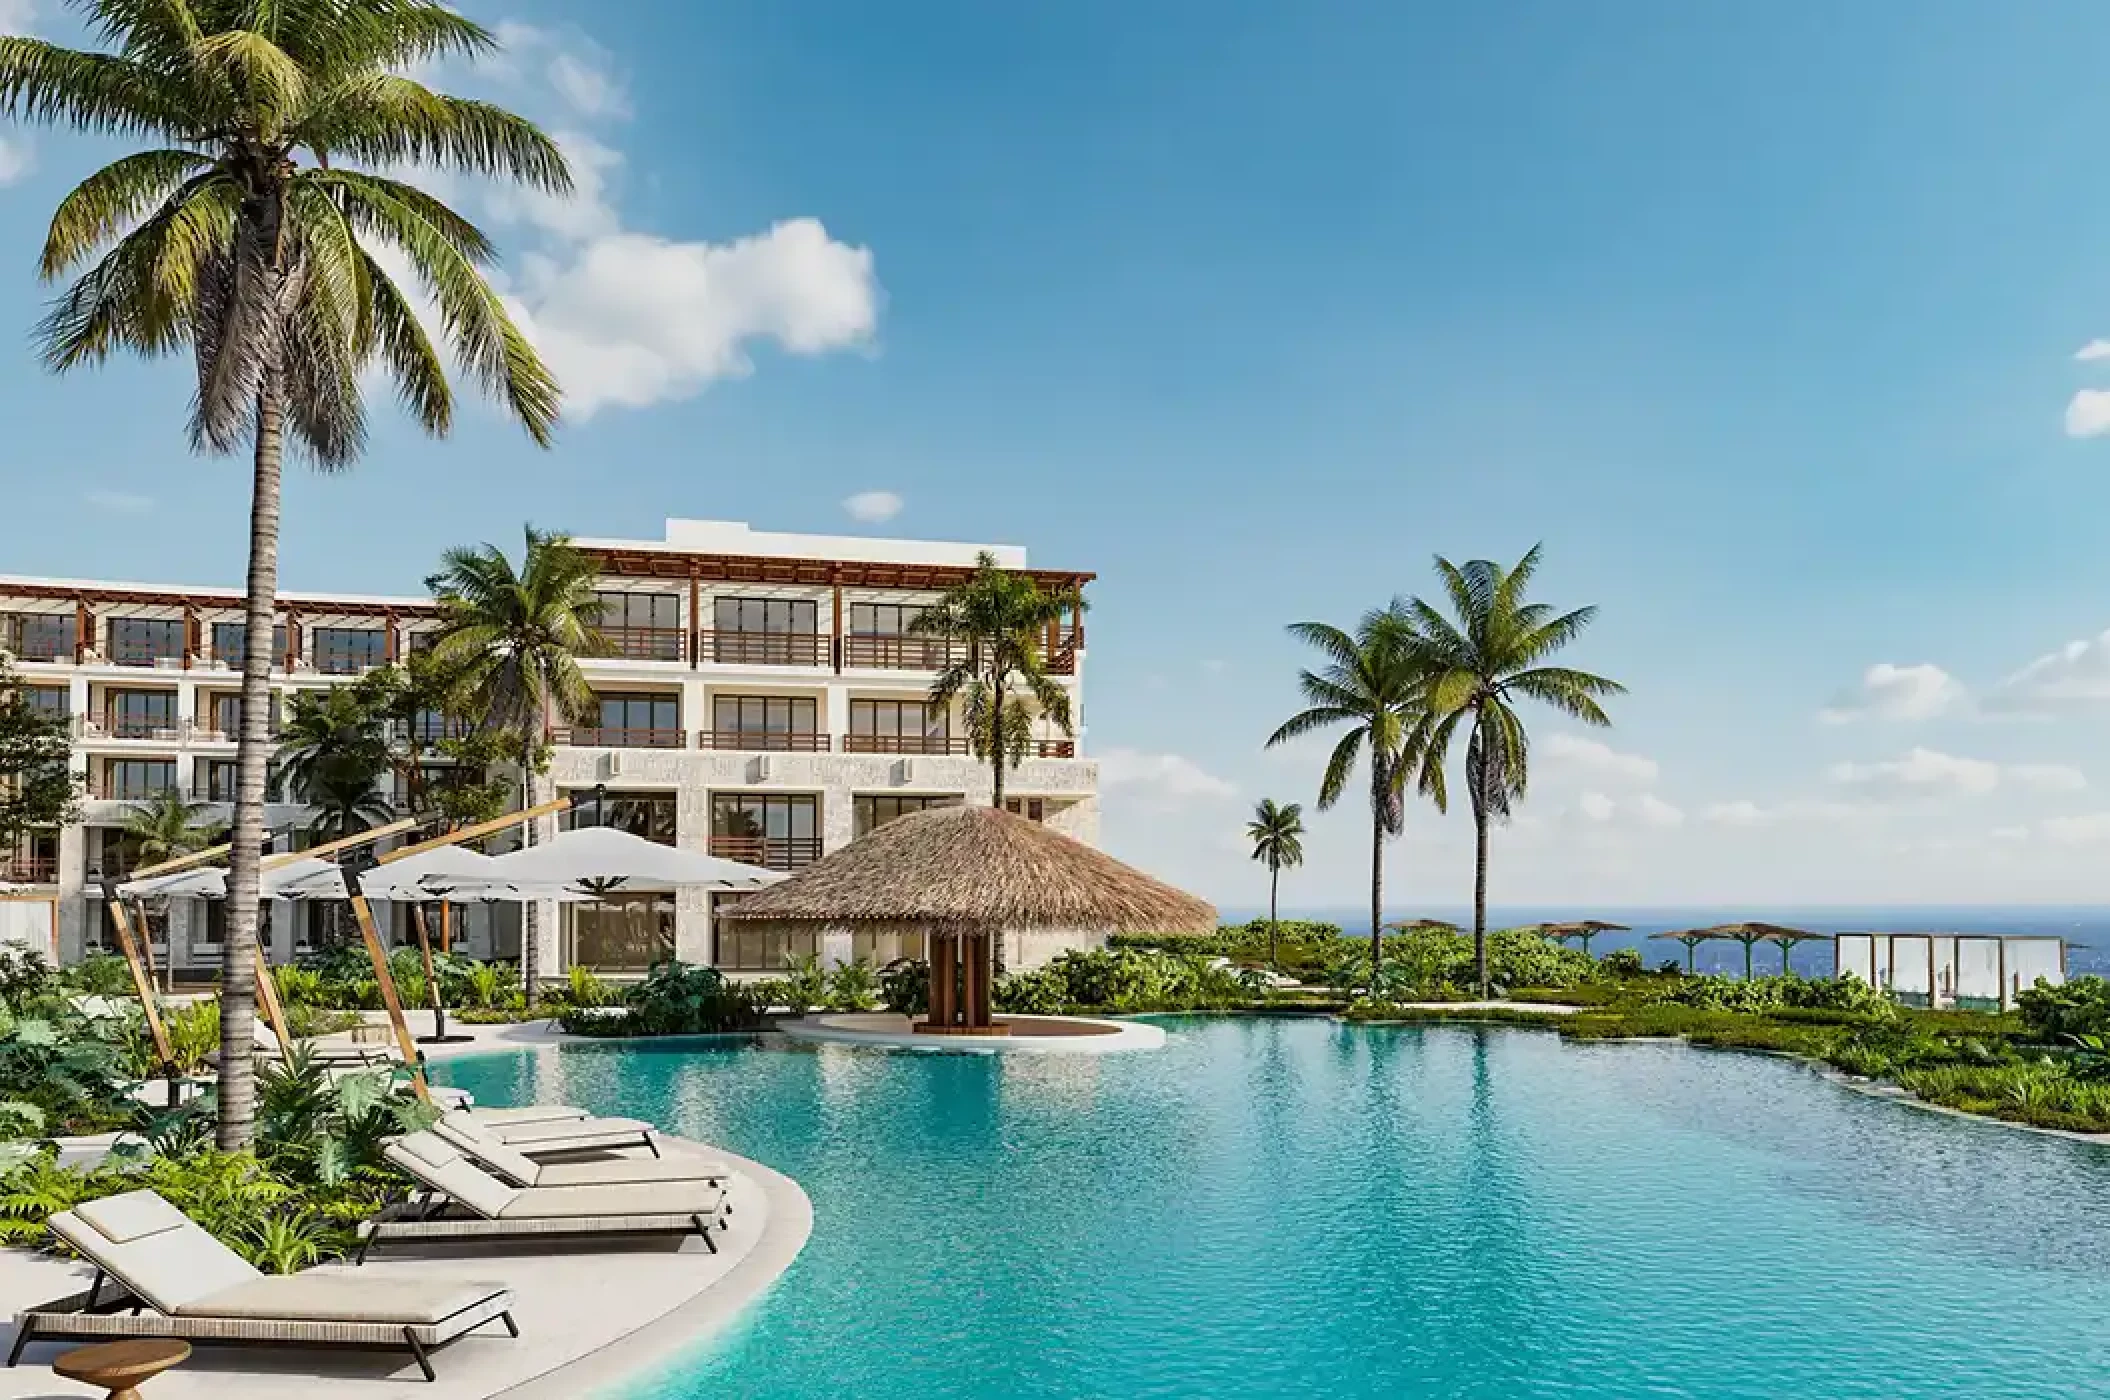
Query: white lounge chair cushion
column 439, row 1166
column 123, row 1219
column 463, row 1133
column 528, row 1113
column 168, row 1268
column 573, row 1202
column 482, row 1148
column 589, row 1131
column 345, row 1298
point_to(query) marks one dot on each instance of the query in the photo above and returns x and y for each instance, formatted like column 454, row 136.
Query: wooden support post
column 836, row 649
column 695, row 619
column 83, row 630
column 146, row 946
column 377, row 952
column 141, row 982
column 467, row 833
column 267, row 998
column 432, row 980
column 446, row 927
column 190, row 634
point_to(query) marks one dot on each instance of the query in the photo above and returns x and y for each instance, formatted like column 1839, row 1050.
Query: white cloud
column 1928, row 773
column 2078, row 672
column 1654, row 811
column 119, row 502
column 1892, row 692
column 579, row 71
column 1159, row 779
column 1645, row 810
column 1748, row 814
column 2088, row 413
column 1598, row 759
column 2094, row 350
column 18, row 16
column 17, row 158
column 585, row 213
column 2009, row 833
column 1596, row 806
column 873, row 507
column 2085, row 829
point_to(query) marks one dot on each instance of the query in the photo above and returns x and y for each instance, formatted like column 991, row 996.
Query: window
column 766, row 631
column 647, row 814
column 880, row 636
column 213, row 780
column 883, row 619
column 130, row 779
column 879, row 949
column 38, row 636
column 741, row 948
column 142, row 641
column 229, row 639
column 1033, row 809
column 900, row 726
column 636, row 722
column 643, row 626
column 48, row 700
column 622, row 932
column 139, row 714
column 780, row 832
column 868, row 814
column 346, row 651
column 769, row 722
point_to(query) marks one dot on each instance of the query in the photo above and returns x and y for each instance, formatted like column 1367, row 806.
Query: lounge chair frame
column 429, row 1217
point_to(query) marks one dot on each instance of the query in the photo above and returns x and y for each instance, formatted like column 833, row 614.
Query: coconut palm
column 511, row 640
column 1003, row 618
column 240, row 233
column 1277, row 834
column 165, row 826
column 1485, row 659
column 333, row 739
column 1375, row 685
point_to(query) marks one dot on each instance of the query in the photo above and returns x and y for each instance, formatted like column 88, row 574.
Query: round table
column 122, row 1367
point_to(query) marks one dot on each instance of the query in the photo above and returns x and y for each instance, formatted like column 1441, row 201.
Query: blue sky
column 1770, row 321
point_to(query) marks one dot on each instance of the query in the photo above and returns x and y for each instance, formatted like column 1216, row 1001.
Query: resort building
column 765, row 701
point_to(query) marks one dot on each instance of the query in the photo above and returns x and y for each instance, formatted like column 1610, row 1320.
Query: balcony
column 212, row 792
column 146, row 654
column 769, row 852
column 585, row 738
column 1052, row 748
column 904, row 743
column 429, row 729
column 764, row 648
column 29, row 870
column 647, row 643
column 111, row 787
column 117, row 725
column 893, row 652
column 763, row 741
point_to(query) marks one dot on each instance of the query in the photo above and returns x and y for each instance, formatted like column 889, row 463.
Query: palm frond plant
column 1488, row 655
column 243, row 230
column 999, row 674
column 511, row 638
column 1277, row 834
column 1373, row 684
column 167, row 825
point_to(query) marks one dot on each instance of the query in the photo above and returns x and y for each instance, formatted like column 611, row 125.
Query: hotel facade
column 764, row 700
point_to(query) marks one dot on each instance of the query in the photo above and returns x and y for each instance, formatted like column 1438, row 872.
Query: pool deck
column 1025, row 1035
column 588, row 1317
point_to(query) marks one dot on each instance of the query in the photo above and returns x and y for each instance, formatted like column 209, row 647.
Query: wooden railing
column 1052, row 748
column 769, row 852
column 762, row 741
column 903, row 743
column 647, row 643
column 591, row 738
column 1062, row 656
column 764, row 648
column 111, row 789
column 893, row 652
column 29, row 870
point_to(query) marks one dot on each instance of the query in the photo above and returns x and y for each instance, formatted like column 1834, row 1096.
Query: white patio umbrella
column 288, row 881
column 601, row 860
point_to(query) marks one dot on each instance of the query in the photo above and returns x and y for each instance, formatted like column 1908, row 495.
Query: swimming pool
column 1300, row 1208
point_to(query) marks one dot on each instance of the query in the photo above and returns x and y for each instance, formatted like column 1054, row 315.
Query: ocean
column 2085, row 927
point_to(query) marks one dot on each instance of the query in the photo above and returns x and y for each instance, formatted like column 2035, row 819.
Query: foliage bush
column 2056, row 1015
column 852, row 986
column 1621, row 964
column 904, row 986
column 675, row 998
column 99, row 975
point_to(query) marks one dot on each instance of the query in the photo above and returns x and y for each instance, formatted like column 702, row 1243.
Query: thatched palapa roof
column 976, row 867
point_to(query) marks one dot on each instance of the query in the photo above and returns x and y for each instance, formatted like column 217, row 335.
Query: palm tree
column 511, row 639
column 240, row 233
column 1004, row 618
column 1375, row 685
column 1277, row 834
column 333, row 739
column 165, row 826
column 344, row 803
column 1483, row 662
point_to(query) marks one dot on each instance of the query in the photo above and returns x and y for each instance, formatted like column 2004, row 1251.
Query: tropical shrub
column 852, row 986
column 99, row 975
column 1621, row 964
column 63, row 1072
column 675, row 998
column 803, row 986
column 2056, row 1015
column 904, row 986
column 1041, row 992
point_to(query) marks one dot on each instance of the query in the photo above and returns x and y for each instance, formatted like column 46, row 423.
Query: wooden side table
column 122, row 1367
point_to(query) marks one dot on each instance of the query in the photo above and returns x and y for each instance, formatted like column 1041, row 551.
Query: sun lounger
column 528, row 1113
column 515, row 1166
column 556, row 1137
column 463, row 1203
column 159, row 1274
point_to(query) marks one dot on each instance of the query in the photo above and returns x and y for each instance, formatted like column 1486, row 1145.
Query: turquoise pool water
column 1296, row 1208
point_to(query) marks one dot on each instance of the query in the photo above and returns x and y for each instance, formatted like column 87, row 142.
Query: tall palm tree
column 1277, row 834
column 166, row 826
column 1004, row 618
column 1375, row 685
column 332, row 739
column 238, row 232
column 511, row 639
column 1484, row 659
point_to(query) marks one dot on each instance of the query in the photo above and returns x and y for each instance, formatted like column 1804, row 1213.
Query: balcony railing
column 432, row 731
column 210, row 791
column 904, row 743
column 590, row 738
column 132, row 726
column 764, row 648
column 1052, row 748
column 647, row 643
column 1062, row 657
column 34, row 648
column 29, row 870
column 769, row 852
column 345, row 661
column 110, row 788
column 762, row 741
column 893, row 652
column 145, row 654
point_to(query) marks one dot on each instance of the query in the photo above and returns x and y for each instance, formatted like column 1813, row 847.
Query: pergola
column 964, row 877
column 1750, row 934
column 1788, row 938
column 1692, row 938
column 1582, row 930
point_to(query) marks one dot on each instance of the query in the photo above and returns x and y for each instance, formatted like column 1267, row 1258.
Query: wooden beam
column 140, row 982
column 377, row 953
column 695, row 619
column 267, row 997
column 363, row 838
column 432, row 980
column 476, row 832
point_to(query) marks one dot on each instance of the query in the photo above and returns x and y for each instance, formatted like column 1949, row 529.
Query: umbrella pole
column 1690, row 948
column 389, row 997
column 432, row 981
column 1747, row 960
column 1784, row 960
column 446, row 927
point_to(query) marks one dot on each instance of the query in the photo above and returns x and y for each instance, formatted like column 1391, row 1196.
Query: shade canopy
column 210, row 881
column 1580, row 928
column 978, row 868
column 604, row 860
column 455, row 874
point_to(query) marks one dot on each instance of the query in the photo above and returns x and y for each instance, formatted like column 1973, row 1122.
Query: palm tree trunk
column 530, row 923
column 1274, row 882
column 1480, row 900
column 237, row 1091
column 1377, row 887
column 996, row 750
